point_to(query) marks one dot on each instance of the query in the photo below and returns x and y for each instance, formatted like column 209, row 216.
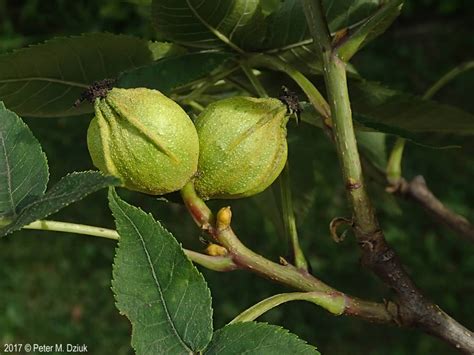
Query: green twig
column 289, row 219
column 205, row 83
column 332, row 303
column 220, row 231
column 216, row 263
column 394, row 164
column 57, row 226
column 394, row 168
column 413, row 308
column 201, row 214
column 254, row 80
column 195, row 105
column 446, row 78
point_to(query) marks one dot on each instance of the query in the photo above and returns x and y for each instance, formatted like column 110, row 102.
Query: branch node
column 394, row 310
column 353, row 184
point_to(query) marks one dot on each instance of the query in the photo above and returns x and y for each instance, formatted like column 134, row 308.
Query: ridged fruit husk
column 145, row 139
column 243, row 146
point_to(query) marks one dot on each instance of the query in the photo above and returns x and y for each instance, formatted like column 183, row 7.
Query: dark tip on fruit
column 290, row 99
column 98, row 90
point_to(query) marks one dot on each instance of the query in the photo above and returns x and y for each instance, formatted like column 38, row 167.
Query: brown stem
column 418, row 191
column 284, row 273
column 291, row 276
column 414, row 309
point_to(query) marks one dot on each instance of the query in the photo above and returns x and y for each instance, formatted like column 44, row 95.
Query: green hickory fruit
column 145, row 139
column 243, row 147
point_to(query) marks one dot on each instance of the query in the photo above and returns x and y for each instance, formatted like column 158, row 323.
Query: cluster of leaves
column 156, row 286
column 209, row 46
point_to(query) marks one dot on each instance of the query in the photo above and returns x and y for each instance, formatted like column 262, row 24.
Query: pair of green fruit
column 235, row 148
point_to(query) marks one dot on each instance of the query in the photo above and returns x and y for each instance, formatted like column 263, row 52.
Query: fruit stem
column 201, row 214
column 284, row 273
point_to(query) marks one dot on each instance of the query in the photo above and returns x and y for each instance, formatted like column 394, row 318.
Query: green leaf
column 303, row 169
column 209, row 24
column 342, row 14
column 161, row 50
column 258, row 339
column 305, row 179
column 69, row 189
column 157, row 287
column 327, row 300
column 371, row 28
column 45, row 80
column 407, row 116
column 23, row 166
column 372, row 145
column 289, row 39
column 169, row 73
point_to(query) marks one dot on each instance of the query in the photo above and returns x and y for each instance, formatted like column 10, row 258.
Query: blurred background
column 55, row 287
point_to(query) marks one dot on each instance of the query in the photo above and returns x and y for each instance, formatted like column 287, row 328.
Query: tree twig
column 218, row 228
column 414, row 309
column 215, row 263
column 418, row 191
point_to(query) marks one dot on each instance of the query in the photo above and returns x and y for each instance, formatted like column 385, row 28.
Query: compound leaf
column 71, row 188
column 156, row 286
column 45, row 80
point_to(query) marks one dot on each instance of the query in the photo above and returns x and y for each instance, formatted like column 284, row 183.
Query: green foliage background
column 55, row 288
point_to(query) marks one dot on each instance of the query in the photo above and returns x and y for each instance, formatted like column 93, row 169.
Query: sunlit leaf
column 45, row 80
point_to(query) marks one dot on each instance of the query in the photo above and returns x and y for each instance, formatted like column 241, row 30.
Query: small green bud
column 145, row 139
column 243, row 146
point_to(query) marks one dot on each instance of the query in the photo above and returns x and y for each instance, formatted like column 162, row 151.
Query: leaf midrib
column 39, row 78
column 155, row 279
column 9, row 178
column 213, row 30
